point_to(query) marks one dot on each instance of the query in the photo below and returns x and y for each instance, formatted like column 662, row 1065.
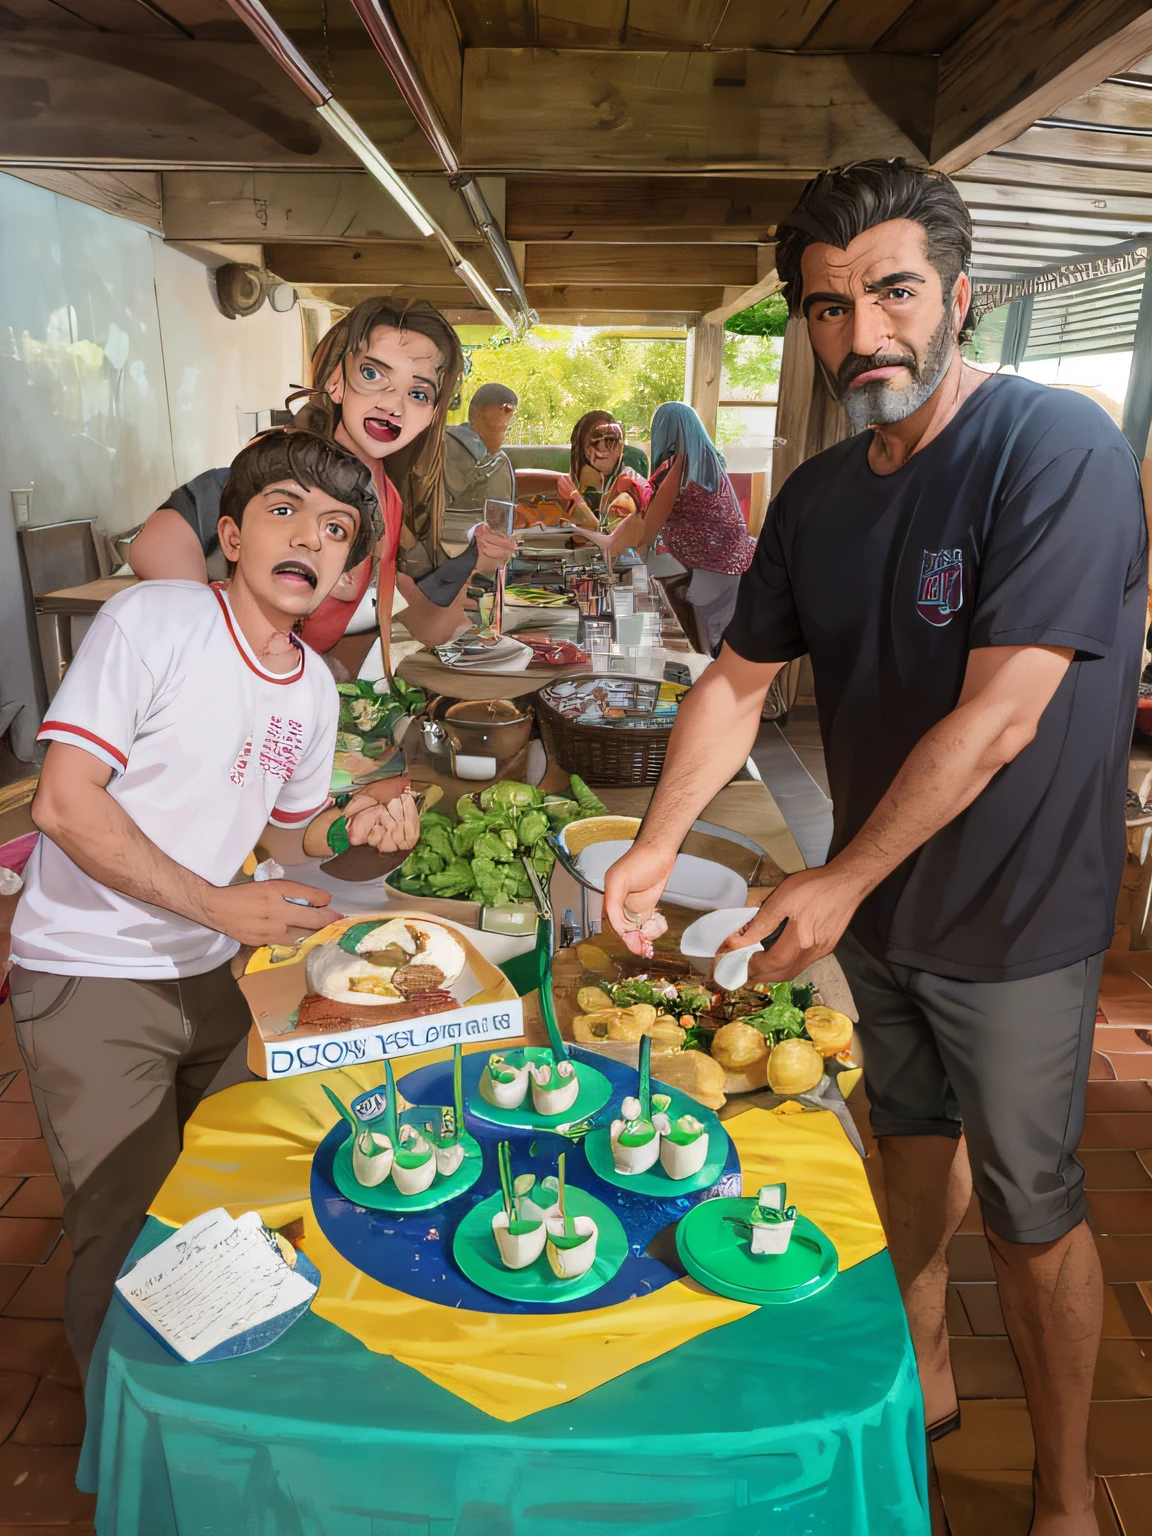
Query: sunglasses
column 606, row 436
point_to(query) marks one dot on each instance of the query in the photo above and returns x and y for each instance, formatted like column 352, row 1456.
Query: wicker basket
column 603, row 754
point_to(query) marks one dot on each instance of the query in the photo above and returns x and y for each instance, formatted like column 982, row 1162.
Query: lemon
column 828, row 1030
column 795, row 1066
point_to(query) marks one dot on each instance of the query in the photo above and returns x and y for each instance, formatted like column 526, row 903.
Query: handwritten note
column 216, row 1278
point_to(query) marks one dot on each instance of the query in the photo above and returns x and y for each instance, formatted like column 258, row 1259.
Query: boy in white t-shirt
column 191, row 725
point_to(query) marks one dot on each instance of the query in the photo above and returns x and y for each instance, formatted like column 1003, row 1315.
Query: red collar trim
column 268, row 677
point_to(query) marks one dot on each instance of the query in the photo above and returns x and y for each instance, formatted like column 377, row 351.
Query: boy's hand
column 390, row 828
column 258, row 913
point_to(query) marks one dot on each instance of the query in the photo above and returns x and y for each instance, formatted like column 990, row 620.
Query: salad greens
column 478, row 856
column 367, row 716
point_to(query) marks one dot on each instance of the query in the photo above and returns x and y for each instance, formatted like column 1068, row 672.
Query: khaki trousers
column 116, row 1067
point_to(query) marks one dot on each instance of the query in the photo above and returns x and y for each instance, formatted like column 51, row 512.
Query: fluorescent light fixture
column 375, row 164
column 467, row 273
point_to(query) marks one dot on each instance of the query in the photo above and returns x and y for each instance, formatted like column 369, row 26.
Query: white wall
column 119, row 379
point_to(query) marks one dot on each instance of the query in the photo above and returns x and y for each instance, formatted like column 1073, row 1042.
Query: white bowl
column 700, row 884
column 704, row 937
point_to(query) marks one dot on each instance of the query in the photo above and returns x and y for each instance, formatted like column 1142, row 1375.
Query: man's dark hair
column 287, row 453
column 840, row 204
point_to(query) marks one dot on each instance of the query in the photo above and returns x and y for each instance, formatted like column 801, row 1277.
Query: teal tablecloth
column 794, row 1421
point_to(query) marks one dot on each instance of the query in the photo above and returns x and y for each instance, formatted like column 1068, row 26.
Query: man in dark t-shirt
column 968, row 576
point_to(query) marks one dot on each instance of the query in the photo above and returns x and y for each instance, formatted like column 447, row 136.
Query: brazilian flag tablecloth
column 386, row 1413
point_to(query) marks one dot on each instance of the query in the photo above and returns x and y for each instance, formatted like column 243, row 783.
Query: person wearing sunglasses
column 385, row 377
column 599, row 480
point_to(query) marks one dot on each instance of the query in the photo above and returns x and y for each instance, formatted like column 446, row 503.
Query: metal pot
column 498, row 728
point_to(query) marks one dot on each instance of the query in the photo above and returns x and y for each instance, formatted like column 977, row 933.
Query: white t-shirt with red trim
column 206, row 746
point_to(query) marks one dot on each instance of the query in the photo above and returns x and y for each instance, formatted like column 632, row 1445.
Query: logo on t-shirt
column 283, row 744
column 941, row 589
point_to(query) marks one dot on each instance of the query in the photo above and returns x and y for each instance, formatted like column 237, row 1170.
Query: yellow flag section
column 250, row 1148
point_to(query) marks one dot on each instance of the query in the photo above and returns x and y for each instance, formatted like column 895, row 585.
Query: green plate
column 386, row 1197
column 655, row 1182
column 474, row 1249
column 715, row 1252
column 595, row 1091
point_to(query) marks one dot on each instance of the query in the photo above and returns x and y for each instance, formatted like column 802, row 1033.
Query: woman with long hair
column 384, row 378
column 695, row 515
column 598, row 478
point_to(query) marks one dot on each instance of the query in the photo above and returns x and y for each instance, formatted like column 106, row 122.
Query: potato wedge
column 593, row 1000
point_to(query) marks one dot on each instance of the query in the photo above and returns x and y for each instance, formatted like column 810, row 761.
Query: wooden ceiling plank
column 663, row 112
column 117, row 100
column 428, row 28
column 1028, row 201
column 640, row 264
column 1126, row 151
column 131, row 195
column 929, row 27
column 387, row 262
column 1035, row 174
column 1021, row 60
column 604, row 296
column 609, row 208
column 848, row 25
column 264, row 205
column 1120, row 106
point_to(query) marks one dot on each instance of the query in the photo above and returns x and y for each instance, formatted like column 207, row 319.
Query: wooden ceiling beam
column 1021, row 61
column 385, row 263
column 682, row 298
column 787, row 115
column 603, row 209
column 643, row 265
column 305, row 205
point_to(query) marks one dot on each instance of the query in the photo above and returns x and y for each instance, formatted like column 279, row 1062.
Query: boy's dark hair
column 287, row 453
column 842, row 203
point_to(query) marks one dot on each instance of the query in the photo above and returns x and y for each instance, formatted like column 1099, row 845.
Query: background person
column 191, row 725
column 387, row 374
column 476, row 469
column 598, row 478
column 969, row 578
column 694, row 515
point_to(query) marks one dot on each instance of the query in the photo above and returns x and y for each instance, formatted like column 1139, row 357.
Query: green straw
column 344, row 1110
column 564, row 1216
column 503, row 1164
column 644, row 1091
column 458, row 1088
column 391, row 1117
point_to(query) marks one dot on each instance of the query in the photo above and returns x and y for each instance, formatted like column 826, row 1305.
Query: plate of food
column 706, row 1042
column 530, row 1088
column 362, row 973
column 540, row 1243
column 659, row 1142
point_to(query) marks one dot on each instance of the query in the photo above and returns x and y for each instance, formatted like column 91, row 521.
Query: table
column 74, row 603
column 382, row 1415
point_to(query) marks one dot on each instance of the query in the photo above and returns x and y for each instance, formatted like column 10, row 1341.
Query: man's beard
column 877, row 403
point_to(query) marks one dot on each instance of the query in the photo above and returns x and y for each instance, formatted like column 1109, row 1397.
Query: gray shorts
column 1006, row 1062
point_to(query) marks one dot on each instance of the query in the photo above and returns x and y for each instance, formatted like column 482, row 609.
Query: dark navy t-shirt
column 1020, row 524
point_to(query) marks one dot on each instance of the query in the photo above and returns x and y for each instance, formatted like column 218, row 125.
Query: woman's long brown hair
column 420, row 479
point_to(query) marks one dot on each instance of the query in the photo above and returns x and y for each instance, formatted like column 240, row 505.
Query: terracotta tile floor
column 41, row 1405
column 983, row 1469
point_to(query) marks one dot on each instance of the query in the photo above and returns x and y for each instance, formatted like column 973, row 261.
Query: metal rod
column 389, row 44
column 344, row 125
column 486, row 222
column 282, row 49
